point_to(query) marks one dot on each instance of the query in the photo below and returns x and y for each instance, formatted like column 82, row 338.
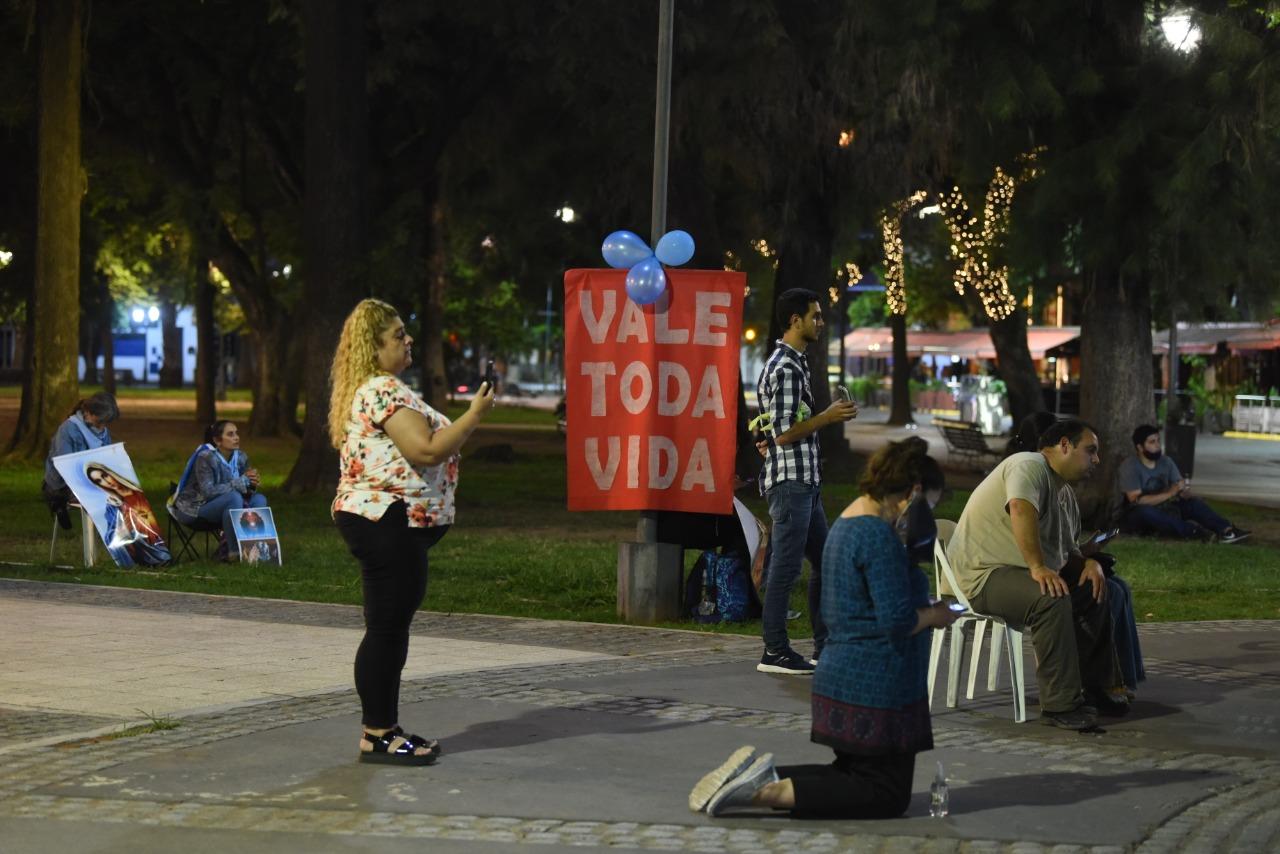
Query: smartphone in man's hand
column 489, row 376
column 1103, row 537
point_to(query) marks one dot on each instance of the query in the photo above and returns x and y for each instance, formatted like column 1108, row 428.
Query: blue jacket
column 70, row 439
column 209, row 475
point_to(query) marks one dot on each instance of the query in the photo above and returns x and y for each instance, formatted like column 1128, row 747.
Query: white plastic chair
column 1001, row 635
column 88, row 535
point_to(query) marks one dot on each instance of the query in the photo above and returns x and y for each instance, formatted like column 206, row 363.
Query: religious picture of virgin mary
column 132, row 532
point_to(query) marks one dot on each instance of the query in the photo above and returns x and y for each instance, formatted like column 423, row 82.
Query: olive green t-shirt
column 984, row 536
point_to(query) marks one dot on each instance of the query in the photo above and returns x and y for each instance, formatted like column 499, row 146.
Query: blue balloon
column 624, row 249
column 675, row 248
column 646, row 281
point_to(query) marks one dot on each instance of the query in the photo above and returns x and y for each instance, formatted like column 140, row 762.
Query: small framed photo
column 260, row 551
column 256, row 535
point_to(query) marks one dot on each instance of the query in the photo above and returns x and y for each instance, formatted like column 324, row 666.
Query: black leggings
column 393, row 572
column 852, row 786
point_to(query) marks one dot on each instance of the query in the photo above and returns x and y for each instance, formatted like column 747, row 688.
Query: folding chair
column 1001, row 635
column 88, row 535
column 186, row 532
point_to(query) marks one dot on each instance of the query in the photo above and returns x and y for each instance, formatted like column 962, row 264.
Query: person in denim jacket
column 217, row 480
column 84, row 429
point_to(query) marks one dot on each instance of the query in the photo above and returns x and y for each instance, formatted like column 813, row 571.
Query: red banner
column 652, row 391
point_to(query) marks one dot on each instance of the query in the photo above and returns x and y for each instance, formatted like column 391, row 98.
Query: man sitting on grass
column 1158, row 499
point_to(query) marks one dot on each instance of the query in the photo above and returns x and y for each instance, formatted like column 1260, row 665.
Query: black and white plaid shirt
column 783, row 390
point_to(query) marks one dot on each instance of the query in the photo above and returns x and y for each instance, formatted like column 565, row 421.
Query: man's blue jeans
column 799, row 531
column 1149, row 519
column 1125, row 632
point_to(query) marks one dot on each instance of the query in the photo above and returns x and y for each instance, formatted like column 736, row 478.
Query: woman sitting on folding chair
column 217, row 480
column 84, row 429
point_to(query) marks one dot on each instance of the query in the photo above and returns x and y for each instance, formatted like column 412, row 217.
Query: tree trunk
column 435, row 386
column 54, row 345
column 1116, row 378
column 804, row 261
column 295, row 358
column 271, row 356
column 106, row 322
column 1016, row 367
column 900, row 410
column 171, row 366
column 334, row 217
column 206, row 345
column 89, row 350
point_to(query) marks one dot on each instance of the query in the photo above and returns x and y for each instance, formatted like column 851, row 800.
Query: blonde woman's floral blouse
column 374, row 474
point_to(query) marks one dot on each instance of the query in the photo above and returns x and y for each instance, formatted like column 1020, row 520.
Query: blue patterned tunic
column 869, row 693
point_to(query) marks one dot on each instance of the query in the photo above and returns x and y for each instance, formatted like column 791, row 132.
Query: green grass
column 238, row 402
column 517, row 551
column 128, row 392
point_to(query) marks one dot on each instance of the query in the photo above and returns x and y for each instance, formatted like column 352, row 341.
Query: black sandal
column 432, row 744
column 405, row 753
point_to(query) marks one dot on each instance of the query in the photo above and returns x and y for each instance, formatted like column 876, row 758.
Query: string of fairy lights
column 974, row 243
column 895, row 293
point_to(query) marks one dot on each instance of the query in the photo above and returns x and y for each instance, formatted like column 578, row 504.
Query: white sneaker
column 705, row 788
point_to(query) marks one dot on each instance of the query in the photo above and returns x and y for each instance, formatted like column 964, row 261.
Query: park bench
column 965, row 441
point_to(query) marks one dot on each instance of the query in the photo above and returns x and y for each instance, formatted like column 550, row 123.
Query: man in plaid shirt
column 791, row 479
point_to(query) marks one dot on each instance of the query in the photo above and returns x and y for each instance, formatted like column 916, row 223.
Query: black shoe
column 1233, row 535
column 64, row 519
column 1107, row 705
column 1078, row 719
column 788, row 662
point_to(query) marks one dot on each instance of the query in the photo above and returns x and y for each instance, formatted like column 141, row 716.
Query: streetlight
column 1183, row 36
column 1179, row 30
column 565, row 214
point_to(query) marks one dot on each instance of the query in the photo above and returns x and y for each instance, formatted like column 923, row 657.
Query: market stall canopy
column 1205, row 338
column 877, row 341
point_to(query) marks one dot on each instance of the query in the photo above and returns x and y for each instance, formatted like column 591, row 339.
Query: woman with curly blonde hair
column 398, row 472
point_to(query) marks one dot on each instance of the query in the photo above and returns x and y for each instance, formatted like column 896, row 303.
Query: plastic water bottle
column 939, row 795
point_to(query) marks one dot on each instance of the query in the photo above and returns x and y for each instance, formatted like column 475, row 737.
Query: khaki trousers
column 1072, row 635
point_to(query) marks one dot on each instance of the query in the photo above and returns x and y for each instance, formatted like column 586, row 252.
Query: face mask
column 1152, row 455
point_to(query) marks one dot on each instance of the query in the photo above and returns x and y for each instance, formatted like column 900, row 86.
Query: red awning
column 1204, row 338
column 966, row 343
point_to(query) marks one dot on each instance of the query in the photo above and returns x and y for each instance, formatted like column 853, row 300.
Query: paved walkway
column 565, row 735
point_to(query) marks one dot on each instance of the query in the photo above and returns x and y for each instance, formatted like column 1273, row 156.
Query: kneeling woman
column 870, row 700
column 217, row 480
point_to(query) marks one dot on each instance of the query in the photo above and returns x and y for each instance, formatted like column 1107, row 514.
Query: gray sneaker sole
column 706, row 788
column 754, row 778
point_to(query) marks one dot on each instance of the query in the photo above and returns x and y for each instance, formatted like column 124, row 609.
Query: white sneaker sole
column 785, row 671
column 705, row 788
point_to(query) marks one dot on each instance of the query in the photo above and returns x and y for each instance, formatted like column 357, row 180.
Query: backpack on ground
column 719, row 589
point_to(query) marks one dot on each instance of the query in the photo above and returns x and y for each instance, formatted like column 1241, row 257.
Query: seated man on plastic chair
column 1009, row 554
